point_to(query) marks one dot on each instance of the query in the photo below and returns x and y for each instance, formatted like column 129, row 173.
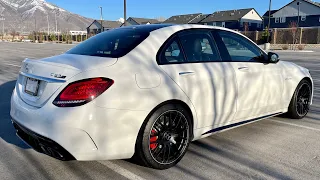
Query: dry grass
column 301, row 47
column 285, row 47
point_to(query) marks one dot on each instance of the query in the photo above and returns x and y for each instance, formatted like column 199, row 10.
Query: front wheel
column 300, row 102
column 165, row 137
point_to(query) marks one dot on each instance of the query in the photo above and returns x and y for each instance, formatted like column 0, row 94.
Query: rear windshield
column 113, row 43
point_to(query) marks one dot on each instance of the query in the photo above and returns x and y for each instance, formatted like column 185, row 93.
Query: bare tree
column 14, row 34
column 293, row 30
column 246, row 28
column 160, row 19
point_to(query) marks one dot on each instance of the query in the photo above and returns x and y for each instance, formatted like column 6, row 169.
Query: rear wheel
column 300, row 102
column 165, row 137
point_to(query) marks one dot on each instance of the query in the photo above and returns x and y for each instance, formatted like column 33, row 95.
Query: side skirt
column 239, row 123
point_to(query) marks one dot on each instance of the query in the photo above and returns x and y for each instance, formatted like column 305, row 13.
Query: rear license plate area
column 32, row 86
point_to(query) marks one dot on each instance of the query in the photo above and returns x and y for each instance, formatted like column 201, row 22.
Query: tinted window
column 112, row 43
column 172, row 53
column 198, row 47
column 239, row 48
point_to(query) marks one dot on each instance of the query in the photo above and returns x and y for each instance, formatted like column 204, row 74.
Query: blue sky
column 113, row 9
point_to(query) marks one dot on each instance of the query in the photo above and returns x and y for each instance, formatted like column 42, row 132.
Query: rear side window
column 113, row 43
column 172, row 53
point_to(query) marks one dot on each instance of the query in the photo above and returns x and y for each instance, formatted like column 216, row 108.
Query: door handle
column 244, row 68
column 186, row 73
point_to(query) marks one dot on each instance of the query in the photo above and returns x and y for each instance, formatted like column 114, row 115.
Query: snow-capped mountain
column 34, row 15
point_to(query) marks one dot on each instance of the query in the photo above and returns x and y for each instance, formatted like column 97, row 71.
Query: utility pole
column 269, row 21
column 35, row 28
column 48, row 27
column 55, row 18
column 2, row 19
column 125, row 12
column 298, row 3
column 101, row 18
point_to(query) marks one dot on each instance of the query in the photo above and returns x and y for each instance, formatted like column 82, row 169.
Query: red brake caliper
column 153, row 139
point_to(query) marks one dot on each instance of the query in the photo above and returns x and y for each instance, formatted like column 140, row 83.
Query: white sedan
column 148, row 91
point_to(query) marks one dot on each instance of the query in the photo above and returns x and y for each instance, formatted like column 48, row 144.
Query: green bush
column 53, row 37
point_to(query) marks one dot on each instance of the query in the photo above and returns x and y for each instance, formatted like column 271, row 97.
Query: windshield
column 113, row 43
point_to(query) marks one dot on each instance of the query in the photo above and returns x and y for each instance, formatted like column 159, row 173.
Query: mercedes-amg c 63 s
column 148, row 91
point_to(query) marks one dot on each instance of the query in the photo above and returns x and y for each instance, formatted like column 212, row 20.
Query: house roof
column 199, row 18
column 229, row 15
column 144, row 20
column 107, row 24
column 182, row 19
column 110, row 24
column 267, row 13
column 308, row 1
column 312, row 2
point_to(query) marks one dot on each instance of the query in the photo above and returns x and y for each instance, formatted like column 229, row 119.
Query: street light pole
column 125, row 12
column 269, row 21
column 101, row 18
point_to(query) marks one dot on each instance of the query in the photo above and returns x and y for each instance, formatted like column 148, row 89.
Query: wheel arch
column 174, row 101
column 296, row 86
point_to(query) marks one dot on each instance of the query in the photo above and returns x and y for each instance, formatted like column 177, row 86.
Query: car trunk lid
column 40, row 79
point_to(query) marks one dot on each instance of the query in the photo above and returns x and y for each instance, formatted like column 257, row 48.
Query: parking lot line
column 291, row 124
column 11, row 64
column 120, row 170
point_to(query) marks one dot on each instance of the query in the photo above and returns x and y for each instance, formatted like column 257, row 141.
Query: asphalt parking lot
column 275, row 148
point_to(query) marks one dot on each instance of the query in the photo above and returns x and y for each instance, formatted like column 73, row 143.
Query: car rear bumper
column 83, row 133
column 41, row 143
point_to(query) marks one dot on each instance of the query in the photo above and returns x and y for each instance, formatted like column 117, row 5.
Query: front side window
column 172, row 53
column 113, row 43
column 282, row 19
column 239, row 48
column 303, row 18
column 276, row 20
column 199, row 47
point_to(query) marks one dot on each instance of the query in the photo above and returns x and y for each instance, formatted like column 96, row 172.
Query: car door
column 259, row 84
column 192, row 60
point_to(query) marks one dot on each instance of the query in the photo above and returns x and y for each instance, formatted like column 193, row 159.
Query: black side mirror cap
column 273, row 57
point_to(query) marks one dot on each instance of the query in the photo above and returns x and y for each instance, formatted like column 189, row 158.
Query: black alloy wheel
column 164, row 138
column 300, row 102
column 169, row 137
column 303, row 99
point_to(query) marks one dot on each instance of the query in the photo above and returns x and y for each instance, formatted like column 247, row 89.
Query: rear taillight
column 82, row 92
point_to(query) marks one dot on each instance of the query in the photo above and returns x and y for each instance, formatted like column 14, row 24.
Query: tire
column 300, row 100
column 164, row 138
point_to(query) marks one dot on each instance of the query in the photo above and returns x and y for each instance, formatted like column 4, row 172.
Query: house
column 140, row 21
column 265, row 17
column 235, row 19
column 309, row 14
column 185, row 19
column 95, row 27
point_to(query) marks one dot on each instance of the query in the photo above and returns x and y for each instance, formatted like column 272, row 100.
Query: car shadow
column 7, row 131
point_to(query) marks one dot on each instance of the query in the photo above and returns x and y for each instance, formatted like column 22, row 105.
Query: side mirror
column 273, row 57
